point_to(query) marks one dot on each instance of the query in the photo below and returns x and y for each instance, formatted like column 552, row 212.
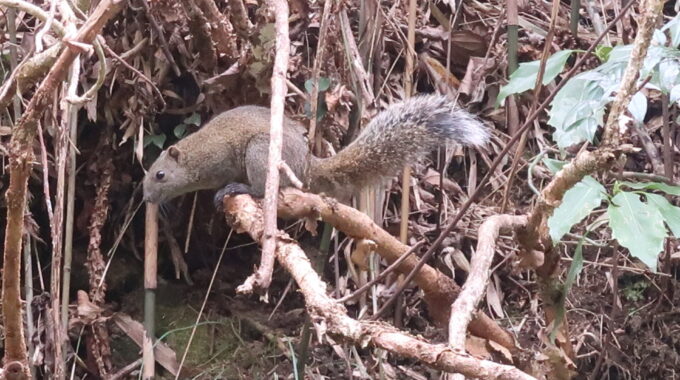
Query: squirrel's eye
column 160, row 174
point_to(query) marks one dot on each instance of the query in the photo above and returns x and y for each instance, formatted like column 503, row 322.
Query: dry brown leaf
column 477, row 347
column 362, row 253
column 493, row 297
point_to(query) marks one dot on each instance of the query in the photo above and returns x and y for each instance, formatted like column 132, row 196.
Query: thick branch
column 463, row 308
column 440, row 290
column 616, row 126
column 222, row 31
column 330, row 317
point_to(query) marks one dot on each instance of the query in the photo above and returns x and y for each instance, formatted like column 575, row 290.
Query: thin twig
column 150, row 284
column 41, row 33
column 161, row 37
column 294, row 180
column 101, row 76
column 316, row 70
column 205, row 302
column 263, row 276
column 538, row 85
column 121, row 59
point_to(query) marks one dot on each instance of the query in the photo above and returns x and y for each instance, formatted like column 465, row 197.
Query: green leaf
column 638, row 107
column 602, row 52
column 668, row 75
column 180, row 130
column 673, row 28
column 324, row 84
column 670, row 213
column 637, row 226
column 675, row 93
column 193, row 119
column 666, row 188
column 524, row 78
column 553, row 165
column 321, row 109
column 578, row 109
column 576, row 264
column 157, row 140
column 577, row 203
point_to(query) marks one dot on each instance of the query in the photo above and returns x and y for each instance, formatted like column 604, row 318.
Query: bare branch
column 440, row 290
column 263, row 276
column 463, row 308
column 330, row 317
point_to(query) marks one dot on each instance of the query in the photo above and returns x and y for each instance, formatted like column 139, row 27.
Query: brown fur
column 233, row 147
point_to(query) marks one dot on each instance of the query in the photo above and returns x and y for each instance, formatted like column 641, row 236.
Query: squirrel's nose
column 149, row 196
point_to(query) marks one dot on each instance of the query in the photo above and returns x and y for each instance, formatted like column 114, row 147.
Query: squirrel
column 230, row 151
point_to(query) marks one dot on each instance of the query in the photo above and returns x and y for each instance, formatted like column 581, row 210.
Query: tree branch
column 329, row 317
column 263, row 276
column 440, row 290
column 464, row 306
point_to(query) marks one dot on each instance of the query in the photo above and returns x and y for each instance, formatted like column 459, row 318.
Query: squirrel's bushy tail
column 399, row 135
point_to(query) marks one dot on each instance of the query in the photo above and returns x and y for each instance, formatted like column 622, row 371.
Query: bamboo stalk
column 150, row 268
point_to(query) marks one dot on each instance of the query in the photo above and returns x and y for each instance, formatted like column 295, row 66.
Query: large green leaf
column 670, row 213
column 577, row 203
column 638, row 107
column 668, row 189
column 637, row 226
column 524, row 78
column 578, row 109
column 673, row 28
column 553, row 165
column 668, row 74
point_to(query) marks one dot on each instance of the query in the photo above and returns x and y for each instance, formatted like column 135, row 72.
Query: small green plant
column 179, row 132
column 181, row 129
column 634, row 291
column 578, row 108
column 637, row 216
column 321, row 109
column 155, row 140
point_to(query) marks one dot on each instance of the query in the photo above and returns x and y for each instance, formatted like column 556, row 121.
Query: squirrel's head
column 167, row 177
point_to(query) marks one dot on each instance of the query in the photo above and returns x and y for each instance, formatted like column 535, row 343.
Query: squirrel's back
column 399, row 135
column 233, row 148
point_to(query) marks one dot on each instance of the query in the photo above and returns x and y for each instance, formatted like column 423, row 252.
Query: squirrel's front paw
column 229, row 189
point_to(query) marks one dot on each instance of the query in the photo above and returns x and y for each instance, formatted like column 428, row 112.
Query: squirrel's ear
column 174, row 152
